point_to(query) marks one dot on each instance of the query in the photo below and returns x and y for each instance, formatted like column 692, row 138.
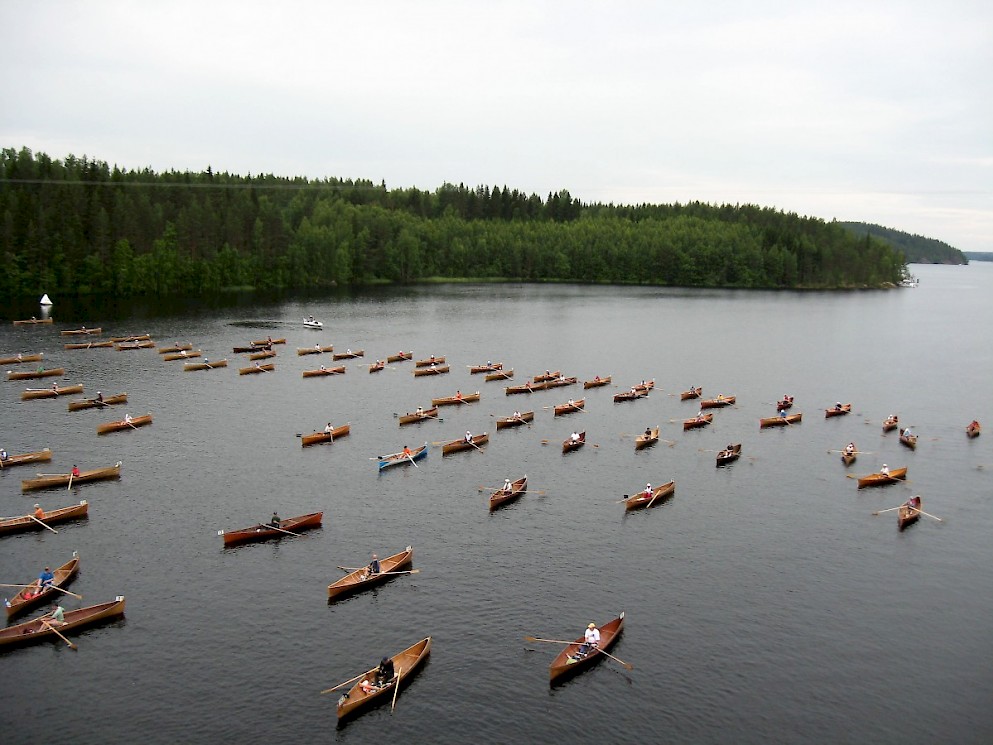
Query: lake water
column 764, row 602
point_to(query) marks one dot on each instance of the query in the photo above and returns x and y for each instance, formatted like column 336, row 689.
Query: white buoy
column 45, row 300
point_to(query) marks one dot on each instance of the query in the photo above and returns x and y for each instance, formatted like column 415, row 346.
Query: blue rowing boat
column 398, row 459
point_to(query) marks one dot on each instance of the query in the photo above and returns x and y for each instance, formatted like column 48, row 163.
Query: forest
column 916, row 249
column 79, row 226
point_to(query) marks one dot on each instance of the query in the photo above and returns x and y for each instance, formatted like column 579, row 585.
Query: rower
column 592, row 641
column 39, row 513
column 507, row 488
column 517, row 416
column 3, row 455
column 648, row 490
column 468, row 436
column 274, row 521
column 730, row 448
column 75, row 471
column 850, row 448
column 420, row 410
column 46, row 578
column 374, row 567
column 885, row 470
column 648, row 431
column 127, row 419
column 906, row 432
column 837, row 406
column 328, row 429
column 406, row 452
column 385, row 672
column 458, row 395
column 574, row 437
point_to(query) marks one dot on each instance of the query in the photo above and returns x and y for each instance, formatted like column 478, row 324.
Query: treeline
column 916, row 249
column 78, row 225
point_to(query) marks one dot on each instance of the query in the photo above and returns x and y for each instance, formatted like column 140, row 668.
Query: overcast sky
column 874, row 111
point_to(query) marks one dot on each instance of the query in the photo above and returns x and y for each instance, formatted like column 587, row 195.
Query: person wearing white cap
column 885, row 470
column 592, row 636
column 468, row 436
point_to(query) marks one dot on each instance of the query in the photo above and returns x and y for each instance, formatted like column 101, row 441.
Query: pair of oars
column 54, row 587
column 625, row 665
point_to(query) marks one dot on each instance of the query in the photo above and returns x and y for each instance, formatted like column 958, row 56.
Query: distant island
column 916, row 249
column 77, row 226
column 979, row 255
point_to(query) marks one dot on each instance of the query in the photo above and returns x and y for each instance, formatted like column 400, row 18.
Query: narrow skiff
column 631, row 395
column 400, row 357
column 59, row 515
column 973, row 430
column 360, row 579
column 430, row 361
column 125, row 346
column 317, row 349
column 377, row 366
column 456, row 400
column 642, row 499
column 646, row 439
column 262, row 532
column 124, row 424
column 53, row 480
column 568, row 662
column 439, row 370
column 82, row 332
column 255, row 369
column 569, row 444
column 882, row 479
column 130, row 338
column 492, row 367
column 515, row 421
column 317, row 438
column 33, row 393
column 190, row 366
column 348, row 355
column 263, row 355
column 32, row 321
column 38, row 456
column 570, row 407
column 418, row 416
column 505, row 496
column 838, row 411
column 698, row 421
column 405, row 663
column 35, row 374
column 182, row 355
column 175, row 348
column 548, row 375
column 781, row 421
column 692, row 393
column 89, row 345
column 729, row 455
column 597, row 382
column 267, row 342
column 909, row 512
column 37, row 630
column 527, row 387
column 399, row 459
column 21, row 358
column 32, row 596
column 908, row 439
column 499, row 375
column 891, row 423
column 456, row 446
column 323, row 372
column 717, row 403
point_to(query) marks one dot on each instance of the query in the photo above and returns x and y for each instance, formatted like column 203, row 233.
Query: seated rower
column 885, row 470
column 906, row 432
column 648, row 431
column 837, row 406
column 56, row 618
column 75, row 471
column 468, row 436
column 39, row 513
column 592, row 637
column 323, row 369
column 507, row 486
column 374, row 567
column 328, row 429
column 127, row 419
column 782, row 413
column 274, row 521
column 596, row 378
column 55, row 387
column 406, row 452
column 574, row 437
column 850, row 448
column 729, row 448
column 99, row 397
column 385, row 672
column 46, row 578
column 458, row 395
column 420, row 410
column 3, row 455
column 648, row 490
column 517, row 415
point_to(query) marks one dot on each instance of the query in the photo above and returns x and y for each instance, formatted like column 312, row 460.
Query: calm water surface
column 765, row 603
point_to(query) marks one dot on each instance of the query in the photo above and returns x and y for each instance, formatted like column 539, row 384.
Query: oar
column 70, row 482
column 54, row 587
column 928, row 514
column 889, row 509
column 44, row 525
column 396, row 689
column 626, row 665
column 340, row 685
column 654, row 497
column 411, row 459
column 48, row 625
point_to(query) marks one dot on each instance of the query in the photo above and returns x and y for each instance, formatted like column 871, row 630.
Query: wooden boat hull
column 511, row 390
column 909, row 441
column 301, row 351
column 430, row 361
column 562, row 669
column 717, row 403
column 780, row 421
column 263, row 355
column 15, row 360
column 406, row 664
column 34, row 630
column 415, row 417
column 659, row 495
column 256, row 370
column 189, row 367
column 348, row 355
column 566, row 408
column 509, row 421
column 138, row 421
column 340, row 370
column 477, row 369
column 39, row 456
column 62, row 479
column 401, row 357
column 643, row 441
column 629, row 396
column 33, row 321
column 184, row 355
column 132, row 337
column 422, row 371
column 547, row 376
column 35, row 374
column 846, row 409
column 587, row 384
column 848, row 459
column 60, row 515
column 22, row 601
column 727, row 456
column 500, row 375
column 267, row 342
column 175, row 348
column 247, row 350
column 89, row 345
column 360, row 579
column 697, row 422
column 126, row 346
column 909, row 512
column 501, row 497
column 320, row 437
column 695, row 393
column 889, row 426
column 569, row 445
column 457, row 446
column 399, row 459
column 377, row 366
column 82, row 332
column 973, row 431
column 262, row 532
column 467, row 398
column 30, row 395
column 878, row 479
column 559, row 382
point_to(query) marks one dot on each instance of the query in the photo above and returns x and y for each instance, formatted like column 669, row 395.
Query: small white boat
column 312, row 323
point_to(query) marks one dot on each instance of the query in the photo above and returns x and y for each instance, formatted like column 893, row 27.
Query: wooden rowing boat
column 569, row 407
column 547, row 376
column 647, row 438
column 348, row 355
column 499, row 375
column 82, row 332
column 909, row 512
column 377, row 366
column 205, row 365
column 399, row 459
column 456, row 446
column 645, row 385
column 33, row 393
column 33, row 595
column 35, row 374
column 263, row 355
column 785, row 404
column 21, row 358
column 569, row 444
column 255, row 369
column 781, row 421
column 317, row 438
column 418, row 416
column 430, row 361
column 340, row 370
column 559, row 382
column 457, row 400
column 94, row 403
column 717, row 403
column 527, row 387
column 132, row 337
column 838, row 411
column 597, row 382
column 129, row 345
column 567, row 663
column 37, row 630
column 262, row 532
column 184, row 355
column 361, row 579
column 908, row 439
column 642, row 499
column 697, row 421
column 515, row 421
column 973, row 430
column 630, row 395
column 90, row 345
column 250, row 349
column 505, row 496
column 848, row 458
column 32, row 321
column 400, row 357
column 405, row 663
column 729, row 455
column 175, row 348
column 882, row 479
column 891, row 423
column 39, row 456
column 124, row 424
column 316, row 349
column 420, row 371
column 267, row 341
column 52, row 480
column 59, row 515
column 490, row 367
column 691, row 393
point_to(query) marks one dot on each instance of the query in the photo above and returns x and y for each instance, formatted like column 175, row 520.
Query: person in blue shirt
column 374, row 567
column 46, row 578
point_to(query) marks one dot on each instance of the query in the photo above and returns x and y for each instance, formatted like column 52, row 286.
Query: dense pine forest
column 916, row 249
column 79, row 226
